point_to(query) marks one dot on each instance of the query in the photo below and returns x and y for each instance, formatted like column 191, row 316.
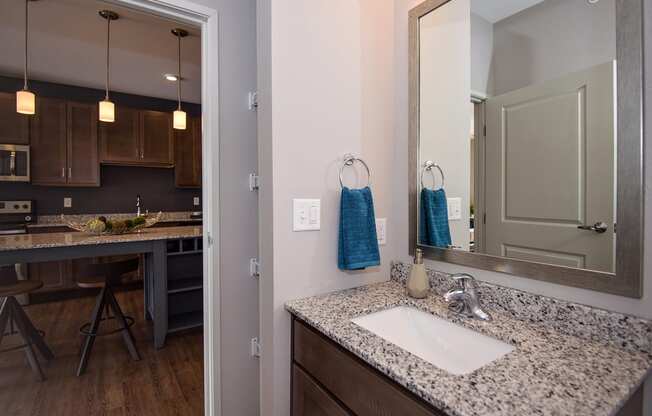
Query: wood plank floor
column 164, row 382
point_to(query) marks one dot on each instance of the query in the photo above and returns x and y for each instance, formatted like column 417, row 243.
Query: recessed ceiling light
column 592, row 1
column 171, row 77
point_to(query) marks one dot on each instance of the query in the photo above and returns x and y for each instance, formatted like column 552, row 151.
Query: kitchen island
column 160, row 247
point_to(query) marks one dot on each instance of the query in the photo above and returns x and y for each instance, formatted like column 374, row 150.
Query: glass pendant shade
column 107, row 111
column 25, row 102
column 179, row 120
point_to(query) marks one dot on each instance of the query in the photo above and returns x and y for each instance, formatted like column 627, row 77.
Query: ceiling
column 495, row 10
column 68, row 46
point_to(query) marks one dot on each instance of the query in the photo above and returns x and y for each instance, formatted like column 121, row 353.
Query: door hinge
column 254, row 268
column 484, row 131
column 253, row 100
column 254, row 182
column 484, row 218
column 210, row 240
column 255, row 347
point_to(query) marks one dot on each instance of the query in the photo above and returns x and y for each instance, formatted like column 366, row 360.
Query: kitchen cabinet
column 55, row 275
column 64, row 143
column 187, row 155
column 137, row 138
column 14, row 127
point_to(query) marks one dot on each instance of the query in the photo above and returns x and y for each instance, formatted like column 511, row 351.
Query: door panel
column 550, row 168
column 156, row 138
column 119, row 140
column 54, row 275
column 83, row 158
column 14, row 127
column 48, row 142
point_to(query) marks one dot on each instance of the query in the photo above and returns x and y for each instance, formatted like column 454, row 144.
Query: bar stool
column 11, row 313
column 105, row 276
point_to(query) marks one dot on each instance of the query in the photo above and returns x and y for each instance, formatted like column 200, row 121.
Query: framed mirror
column 526, row 138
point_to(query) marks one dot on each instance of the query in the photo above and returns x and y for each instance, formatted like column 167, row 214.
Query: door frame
column 206, row 19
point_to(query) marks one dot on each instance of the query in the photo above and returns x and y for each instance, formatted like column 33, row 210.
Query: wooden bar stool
column 105, row 276
column 11, row 313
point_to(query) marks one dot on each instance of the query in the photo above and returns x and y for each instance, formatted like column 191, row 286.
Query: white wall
column 482, row 50
column 445, row 93
column 326, row 83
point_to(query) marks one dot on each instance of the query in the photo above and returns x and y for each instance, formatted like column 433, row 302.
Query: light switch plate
column 67, row 202
column 195, row 201
column 454, row 208
column 381, row 231
column 306, row 214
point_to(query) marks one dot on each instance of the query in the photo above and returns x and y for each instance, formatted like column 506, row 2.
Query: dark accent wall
column 120, row 185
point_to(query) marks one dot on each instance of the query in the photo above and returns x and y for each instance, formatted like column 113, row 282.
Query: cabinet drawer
column 361, row 388
column 309, row 399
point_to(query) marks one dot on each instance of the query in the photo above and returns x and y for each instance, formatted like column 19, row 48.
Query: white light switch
column 195, row 201
column 67, row 202
column 454, row 208
column 381, row 231
column 306, row 214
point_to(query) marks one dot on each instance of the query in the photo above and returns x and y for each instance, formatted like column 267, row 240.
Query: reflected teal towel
column 358, row 244
column 434, row 230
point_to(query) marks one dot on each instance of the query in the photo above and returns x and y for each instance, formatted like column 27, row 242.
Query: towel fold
column 358, row 244
column 434, row 229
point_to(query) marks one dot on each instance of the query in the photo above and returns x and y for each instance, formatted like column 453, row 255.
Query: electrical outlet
column 195, row 201
column 381, row 231
column 67, row 202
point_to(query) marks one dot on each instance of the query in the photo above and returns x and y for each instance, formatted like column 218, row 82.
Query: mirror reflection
column 517, row 130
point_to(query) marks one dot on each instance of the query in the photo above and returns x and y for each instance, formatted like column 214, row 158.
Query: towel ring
column 349, row 160
column 427, row 167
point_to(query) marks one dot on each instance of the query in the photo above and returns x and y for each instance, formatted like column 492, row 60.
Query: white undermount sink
column 452, row 348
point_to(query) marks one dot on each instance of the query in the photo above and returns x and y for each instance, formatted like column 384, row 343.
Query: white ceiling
column 68, row 46
column 495, row 10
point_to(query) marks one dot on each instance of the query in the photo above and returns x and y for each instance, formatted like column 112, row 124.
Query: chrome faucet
column 138, row 213
column 464, row 298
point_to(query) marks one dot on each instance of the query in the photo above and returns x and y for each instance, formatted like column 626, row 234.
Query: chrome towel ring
column 427, row 167
column 349, row 160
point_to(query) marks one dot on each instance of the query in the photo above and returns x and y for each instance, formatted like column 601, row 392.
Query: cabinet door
column 83, row 159
column 14, row 127
column 48, row 142
column 54, row 275
column 156, row 138
column 119, row 142
column 309, row 399
column 187, row 155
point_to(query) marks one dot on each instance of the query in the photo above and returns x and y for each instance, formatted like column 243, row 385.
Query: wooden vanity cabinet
column 328, row 380
column 14, row 127
column 187, row 155
column 64, row 144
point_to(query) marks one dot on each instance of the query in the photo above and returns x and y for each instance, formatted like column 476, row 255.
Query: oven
column 14, row 218
column 14, row 163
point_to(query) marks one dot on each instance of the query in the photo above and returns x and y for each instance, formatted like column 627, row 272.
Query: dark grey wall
column 120, row 185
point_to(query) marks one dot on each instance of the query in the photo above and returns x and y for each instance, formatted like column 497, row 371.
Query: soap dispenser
column 417, row 283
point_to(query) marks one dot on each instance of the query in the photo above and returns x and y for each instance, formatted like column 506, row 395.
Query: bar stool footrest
column 84, row 329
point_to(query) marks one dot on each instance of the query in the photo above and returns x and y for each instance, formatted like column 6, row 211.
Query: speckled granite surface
column 55, row 220
column 550, row 372
column 50, row 240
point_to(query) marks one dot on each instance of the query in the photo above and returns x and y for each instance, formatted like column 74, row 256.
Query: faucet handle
column 464, row 280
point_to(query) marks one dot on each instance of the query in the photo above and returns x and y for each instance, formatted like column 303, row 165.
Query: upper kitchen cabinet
column 14, row 127
column 137, row 138
column 64, row 144
column 187, row 155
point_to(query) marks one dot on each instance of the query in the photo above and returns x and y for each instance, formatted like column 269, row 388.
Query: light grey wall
column 482, row 45
column 326, row 84
column 238, row 206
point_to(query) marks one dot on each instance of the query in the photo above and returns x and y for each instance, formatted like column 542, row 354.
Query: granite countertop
column 548, row 373
column 46, row 221
column 50, row 240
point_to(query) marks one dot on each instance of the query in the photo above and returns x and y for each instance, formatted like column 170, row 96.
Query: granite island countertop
column 70, row 239
column 548, row 373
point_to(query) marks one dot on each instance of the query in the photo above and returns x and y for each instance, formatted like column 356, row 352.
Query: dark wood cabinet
column 187, row 155
column 55, row 275
column 156, row 138
column 310, row 399
column 14, row 127
column 48, row 142
column 64, row 144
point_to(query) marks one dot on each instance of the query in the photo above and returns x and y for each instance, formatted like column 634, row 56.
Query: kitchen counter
column 550, row 372
column 71, row 239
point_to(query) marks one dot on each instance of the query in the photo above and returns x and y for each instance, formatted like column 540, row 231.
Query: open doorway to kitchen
column 109, row 308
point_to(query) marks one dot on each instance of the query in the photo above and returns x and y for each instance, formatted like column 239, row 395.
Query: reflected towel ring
column 427, row 167
column 349, row 160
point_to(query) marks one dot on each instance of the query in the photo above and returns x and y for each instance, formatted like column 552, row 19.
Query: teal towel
column 358, row 244
column 434, row 229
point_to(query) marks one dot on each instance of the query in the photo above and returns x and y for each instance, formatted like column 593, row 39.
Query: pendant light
column 25, row 99
column 107, row 108
column 179, row 119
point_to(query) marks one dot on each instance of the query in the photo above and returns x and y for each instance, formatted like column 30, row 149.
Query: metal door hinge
column 254, row 268
column 255, row 347
column 484, row 130
column 210, row 239
column 484, row 218
column 254, row 182
column 253, row 100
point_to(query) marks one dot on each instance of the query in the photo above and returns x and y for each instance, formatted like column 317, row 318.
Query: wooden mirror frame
column 628, row 278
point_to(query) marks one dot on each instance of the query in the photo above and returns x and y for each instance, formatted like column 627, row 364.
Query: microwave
column 14, row 163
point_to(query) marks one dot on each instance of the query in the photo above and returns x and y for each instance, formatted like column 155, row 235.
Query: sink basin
column 452, row 348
